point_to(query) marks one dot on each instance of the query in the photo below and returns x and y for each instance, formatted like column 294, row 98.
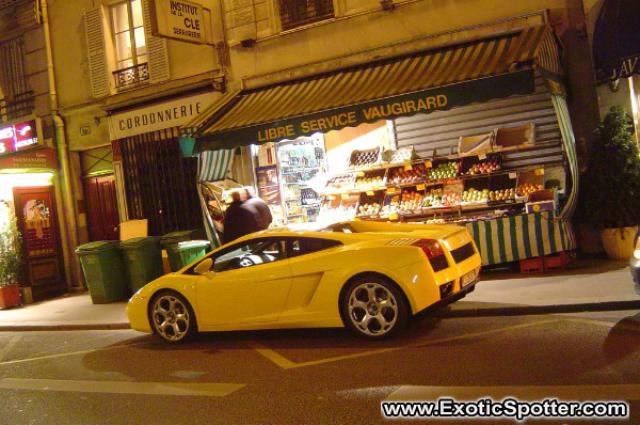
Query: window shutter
column 156, row 48
column 96, row 52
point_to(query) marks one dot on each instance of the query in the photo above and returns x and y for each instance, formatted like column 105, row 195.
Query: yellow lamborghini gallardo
column 370, row 277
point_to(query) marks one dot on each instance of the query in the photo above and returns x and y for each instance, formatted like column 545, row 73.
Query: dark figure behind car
column 239, row 220
column 260, row 209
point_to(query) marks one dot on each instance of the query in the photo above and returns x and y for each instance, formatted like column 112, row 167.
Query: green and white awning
column 214, row 165
column 519, row 237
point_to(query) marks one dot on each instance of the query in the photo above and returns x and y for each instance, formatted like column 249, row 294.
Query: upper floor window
column 297, row 13
column 128, row 34
column 16, row 98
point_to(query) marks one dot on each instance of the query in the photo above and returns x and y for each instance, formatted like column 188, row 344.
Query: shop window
column 297, row 13
column 129, row 43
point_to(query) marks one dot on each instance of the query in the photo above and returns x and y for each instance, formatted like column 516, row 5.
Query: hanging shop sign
column 19, row 136
column 156, row 117
column 44, row 158
column 180, row 20
column 426, row 101
column 616, row 40
column 624, row 69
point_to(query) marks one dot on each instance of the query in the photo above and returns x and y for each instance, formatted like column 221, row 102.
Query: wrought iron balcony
column 132, row 76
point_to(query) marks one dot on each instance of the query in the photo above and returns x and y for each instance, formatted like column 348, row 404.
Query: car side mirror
column 204, row 266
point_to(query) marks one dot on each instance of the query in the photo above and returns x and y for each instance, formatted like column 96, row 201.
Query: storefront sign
column 18, row 136
column 40, row 158
column 426, row 101
column 179, row 19
column 174, row 113
column 624, row 69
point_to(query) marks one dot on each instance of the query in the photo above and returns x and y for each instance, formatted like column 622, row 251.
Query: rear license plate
column 468, row 278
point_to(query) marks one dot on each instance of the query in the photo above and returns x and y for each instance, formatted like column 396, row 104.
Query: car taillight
column 430, row 247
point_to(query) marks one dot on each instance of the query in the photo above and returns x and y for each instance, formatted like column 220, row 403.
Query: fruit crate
column 481, row 165
column 370, row 179
column 407, row 174
column 364, row 158
column 532, row 265
column 557, row 261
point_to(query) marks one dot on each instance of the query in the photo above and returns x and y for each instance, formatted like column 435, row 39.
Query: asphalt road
column 315, row 376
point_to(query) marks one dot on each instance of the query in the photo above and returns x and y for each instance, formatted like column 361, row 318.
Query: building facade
column 34, row 176
column 317, row 84
column 112, row 97
column 123, row 94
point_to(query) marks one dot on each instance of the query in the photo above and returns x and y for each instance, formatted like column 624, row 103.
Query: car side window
column 249, row 254
column 302, row 246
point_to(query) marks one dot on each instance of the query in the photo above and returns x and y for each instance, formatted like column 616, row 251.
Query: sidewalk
column 69, row 312
column 585, row 286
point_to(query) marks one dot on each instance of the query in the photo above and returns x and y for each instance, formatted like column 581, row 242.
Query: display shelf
column 485, row 193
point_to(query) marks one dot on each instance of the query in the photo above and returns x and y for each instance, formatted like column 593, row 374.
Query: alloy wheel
column 373, row 309
column 171, row 317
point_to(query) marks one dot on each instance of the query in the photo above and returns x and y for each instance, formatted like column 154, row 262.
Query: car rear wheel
column 373, row 307
column 172, row 317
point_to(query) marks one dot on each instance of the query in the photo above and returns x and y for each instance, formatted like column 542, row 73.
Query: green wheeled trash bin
column 142, row 260
column 103, row 271
column 185, row 253
column 176, row 237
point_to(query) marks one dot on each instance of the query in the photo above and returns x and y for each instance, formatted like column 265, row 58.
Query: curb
column 539, row 309
column 71, row 327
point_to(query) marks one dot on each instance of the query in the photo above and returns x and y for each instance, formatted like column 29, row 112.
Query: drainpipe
column 67, row 217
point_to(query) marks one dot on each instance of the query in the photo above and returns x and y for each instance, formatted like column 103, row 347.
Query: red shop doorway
column 37, row 220
column 102, row 207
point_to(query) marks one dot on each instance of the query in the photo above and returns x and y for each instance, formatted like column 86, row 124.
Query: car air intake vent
column 401, row 242
column 462, row 253
column 446, row 290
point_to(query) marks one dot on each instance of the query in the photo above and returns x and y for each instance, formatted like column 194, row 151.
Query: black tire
column 395, row 311
column 176, row 330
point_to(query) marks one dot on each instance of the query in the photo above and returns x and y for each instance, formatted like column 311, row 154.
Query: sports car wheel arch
column 373, row 306
column 171, row 316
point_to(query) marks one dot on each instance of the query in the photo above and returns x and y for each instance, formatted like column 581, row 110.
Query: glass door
column 300, row 162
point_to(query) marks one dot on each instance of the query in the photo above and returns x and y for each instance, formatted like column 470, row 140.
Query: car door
column 248, row 283
column 310, row 260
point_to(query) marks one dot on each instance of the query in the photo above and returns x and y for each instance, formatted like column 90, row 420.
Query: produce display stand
column 472, row 188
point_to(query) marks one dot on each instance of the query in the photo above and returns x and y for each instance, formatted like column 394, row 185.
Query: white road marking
column 272, row 355
column 285, row 363
column 5, row 350
column 71, row 353
column 522, row 392
column 122, row 387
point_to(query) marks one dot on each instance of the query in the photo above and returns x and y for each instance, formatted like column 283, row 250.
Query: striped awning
column 518, row 237
column 214, row 165
column 440, row 79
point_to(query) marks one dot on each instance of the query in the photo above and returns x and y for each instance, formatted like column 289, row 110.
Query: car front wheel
column 172, row 317
column 373, row 307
